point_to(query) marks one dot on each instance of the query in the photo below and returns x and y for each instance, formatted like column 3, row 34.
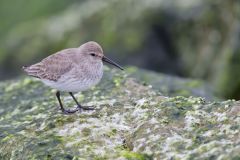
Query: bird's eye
column 93, row 54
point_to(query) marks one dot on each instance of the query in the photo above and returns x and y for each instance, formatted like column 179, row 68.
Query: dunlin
column 72, row 70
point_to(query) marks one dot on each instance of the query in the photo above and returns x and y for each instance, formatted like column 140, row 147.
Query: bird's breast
column 78, row 79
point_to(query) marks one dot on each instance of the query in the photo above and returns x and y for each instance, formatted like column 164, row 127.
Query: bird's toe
column 86, row 107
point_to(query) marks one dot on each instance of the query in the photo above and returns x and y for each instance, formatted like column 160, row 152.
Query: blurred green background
column 188, row 38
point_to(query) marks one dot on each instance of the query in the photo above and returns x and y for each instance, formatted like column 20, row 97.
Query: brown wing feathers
column 50, row 68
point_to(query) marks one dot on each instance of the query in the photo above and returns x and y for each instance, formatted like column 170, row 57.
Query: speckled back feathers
column 58, row 64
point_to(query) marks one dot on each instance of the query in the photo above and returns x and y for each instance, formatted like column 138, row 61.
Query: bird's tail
column 31, row 70
column 24, row 67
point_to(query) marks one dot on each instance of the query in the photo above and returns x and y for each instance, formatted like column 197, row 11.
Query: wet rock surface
column 132, row 120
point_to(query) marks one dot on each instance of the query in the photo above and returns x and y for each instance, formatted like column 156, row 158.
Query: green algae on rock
column 131, row 121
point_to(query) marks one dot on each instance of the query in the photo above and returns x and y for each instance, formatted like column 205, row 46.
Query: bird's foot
column 79, row 108
column 85, row 108
column 66, row 111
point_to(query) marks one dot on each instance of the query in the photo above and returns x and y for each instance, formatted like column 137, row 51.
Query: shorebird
column 71, row 70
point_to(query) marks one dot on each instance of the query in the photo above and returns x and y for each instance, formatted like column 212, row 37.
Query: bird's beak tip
column 105, row 59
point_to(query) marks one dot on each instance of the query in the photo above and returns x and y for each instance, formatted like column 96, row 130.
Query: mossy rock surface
column 131, row 121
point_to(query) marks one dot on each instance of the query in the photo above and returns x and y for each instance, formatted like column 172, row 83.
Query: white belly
column 70, row 83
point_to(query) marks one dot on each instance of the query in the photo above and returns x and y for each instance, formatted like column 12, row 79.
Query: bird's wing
column 50, row 68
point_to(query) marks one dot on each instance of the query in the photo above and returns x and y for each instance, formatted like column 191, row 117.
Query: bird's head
column 94, row 53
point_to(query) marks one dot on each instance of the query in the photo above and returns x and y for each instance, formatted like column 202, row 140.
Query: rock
column 131, row 121
column 173, row 86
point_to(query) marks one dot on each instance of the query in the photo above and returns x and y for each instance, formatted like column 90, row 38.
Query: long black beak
column 105, row 59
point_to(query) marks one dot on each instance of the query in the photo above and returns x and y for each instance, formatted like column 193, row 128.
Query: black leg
column 79, row 105
column 61, row 105
column 59, row 100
